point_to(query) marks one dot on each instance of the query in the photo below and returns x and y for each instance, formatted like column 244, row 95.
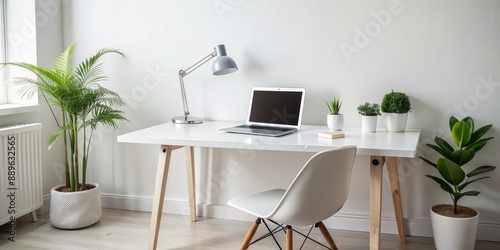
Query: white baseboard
column 343, row 221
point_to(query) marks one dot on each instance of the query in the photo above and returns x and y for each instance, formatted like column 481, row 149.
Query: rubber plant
column 82, row 105
column 468, row 141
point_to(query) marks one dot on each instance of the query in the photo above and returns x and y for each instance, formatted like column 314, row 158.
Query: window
column 17, row 44
column 3, row 56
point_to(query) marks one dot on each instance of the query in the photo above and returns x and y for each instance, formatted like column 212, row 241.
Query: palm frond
column 94, row 75
column 105, row 115
column 62, row 62
column 88, row 70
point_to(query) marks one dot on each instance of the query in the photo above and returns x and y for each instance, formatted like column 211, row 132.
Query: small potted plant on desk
column 335, row 120
column 82, row 105
column 395, row 106
column 454, row 226
column 369, row 113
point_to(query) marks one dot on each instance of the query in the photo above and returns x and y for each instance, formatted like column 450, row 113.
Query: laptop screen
column 276, row 106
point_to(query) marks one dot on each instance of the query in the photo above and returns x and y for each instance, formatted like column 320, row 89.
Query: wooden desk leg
column 161, row 183
column 376, row 166
column 191, row 182
column 392, row 170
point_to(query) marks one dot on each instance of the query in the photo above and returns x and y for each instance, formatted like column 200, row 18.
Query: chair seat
column 260, row 204
column 316, row 193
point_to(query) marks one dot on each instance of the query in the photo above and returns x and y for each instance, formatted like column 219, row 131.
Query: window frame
column 12, row 105
column 3, row 52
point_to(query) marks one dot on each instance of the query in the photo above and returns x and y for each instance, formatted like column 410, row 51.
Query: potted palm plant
column 334, row 119
column 369, row 113
column 455, row 226
column 395, row 106
column 79, row 104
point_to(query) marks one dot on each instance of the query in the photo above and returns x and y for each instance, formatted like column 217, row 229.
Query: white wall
column 444, row 54
column 49, row 45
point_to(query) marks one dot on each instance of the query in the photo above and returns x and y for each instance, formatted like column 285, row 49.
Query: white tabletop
column 207, row 134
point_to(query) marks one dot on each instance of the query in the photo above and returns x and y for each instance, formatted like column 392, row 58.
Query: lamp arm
column 184, row 100
column 199, row 63
column 183, row 73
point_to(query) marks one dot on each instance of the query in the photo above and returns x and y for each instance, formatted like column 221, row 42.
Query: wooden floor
column 119, row 229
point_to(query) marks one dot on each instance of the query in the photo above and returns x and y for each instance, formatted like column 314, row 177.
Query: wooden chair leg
column 250, row 234
column 326, row 235
column 289, row 238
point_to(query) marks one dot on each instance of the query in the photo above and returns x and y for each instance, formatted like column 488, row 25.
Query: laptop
column 272, row 112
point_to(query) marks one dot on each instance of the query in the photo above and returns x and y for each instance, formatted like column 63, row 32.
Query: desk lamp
column 222, row 65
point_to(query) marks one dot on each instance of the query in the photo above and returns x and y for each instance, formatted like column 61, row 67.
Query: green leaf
column 461, row 187
column 369, row 109
column 329, row 107
column 52, row 140
column 452, row 122
column 436, row 148
column 480, row 170
column 62, row 62
column 460, row 157
column 429, row 162
column 90, row 70
column 445, row 186
column 461, row 133
column 469, row 122
column 445, row 146
column 457, row 196
column 478, row 145
column 450, row 171
column 471, row 193
column 479, row 133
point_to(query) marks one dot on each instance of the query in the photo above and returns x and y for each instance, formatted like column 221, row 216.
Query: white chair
column 318, row 191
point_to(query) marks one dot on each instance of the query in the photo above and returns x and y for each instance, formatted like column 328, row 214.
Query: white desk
column 382, row 147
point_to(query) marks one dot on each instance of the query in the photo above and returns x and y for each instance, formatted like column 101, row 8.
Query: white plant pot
column 368, row 124
column 454, row 233
column 73, row 210
column 335, row 122
column 395, row 122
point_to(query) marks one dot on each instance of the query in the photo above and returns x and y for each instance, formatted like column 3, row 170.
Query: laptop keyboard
column 264, row 128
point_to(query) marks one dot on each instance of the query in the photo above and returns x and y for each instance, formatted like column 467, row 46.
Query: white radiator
column 20, row 171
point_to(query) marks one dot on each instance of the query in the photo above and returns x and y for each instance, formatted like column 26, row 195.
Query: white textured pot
column 73, row 210
column 368, row 124
column 335, row 122
column 395, row 122
column 454, row 233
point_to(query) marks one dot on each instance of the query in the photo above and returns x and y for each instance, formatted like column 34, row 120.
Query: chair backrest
column 319, row 190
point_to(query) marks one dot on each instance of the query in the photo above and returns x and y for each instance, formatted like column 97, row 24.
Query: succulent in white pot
column 334, row 119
